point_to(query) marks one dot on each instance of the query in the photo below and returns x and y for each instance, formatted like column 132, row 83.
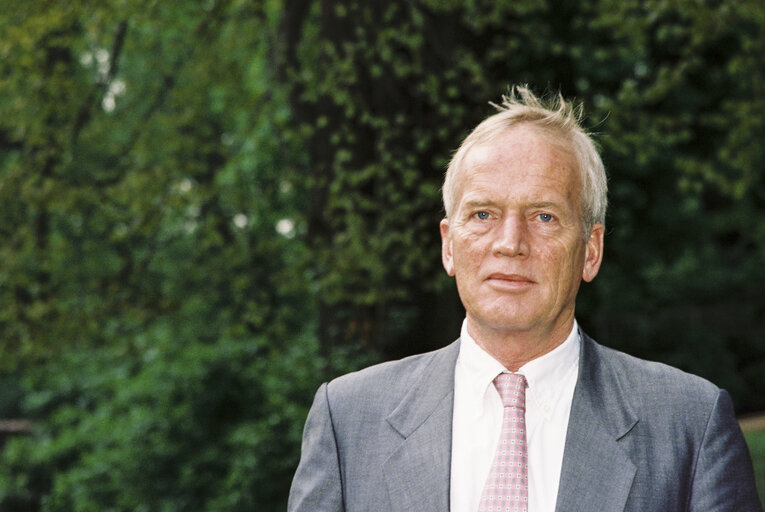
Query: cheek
column 464, row 259
column 466, row 262
column 562, row 259
column 469, row 244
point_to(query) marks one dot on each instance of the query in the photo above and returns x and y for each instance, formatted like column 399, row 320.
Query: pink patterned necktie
column 507, row 487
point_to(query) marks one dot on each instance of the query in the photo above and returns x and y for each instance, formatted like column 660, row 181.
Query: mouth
column 509, row 281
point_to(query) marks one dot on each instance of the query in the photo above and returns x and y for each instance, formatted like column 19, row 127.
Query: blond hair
column 560, row 119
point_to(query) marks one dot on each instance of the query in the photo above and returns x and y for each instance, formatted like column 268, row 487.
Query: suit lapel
column 418, row 471
column 596, row 473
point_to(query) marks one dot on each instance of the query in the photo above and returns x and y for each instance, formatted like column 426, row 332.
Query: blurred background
column 207, row 208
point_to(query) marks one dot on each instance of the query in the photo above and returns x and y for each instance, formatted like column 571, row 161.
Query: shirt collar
column 543, row 374
column 478, row 368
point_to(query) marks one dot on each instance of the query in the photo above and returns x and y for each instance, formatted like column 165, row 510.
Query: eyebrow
column 546, row 204
column 478, row 203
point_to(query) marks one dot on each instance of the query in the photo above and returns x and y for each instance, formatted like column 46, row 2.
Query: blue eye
column 545, row 217
column 482, row 215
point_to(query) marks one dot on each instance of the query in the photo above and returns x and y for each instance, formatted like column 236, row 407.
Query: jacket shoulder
column 655, row 383
column 391, row 380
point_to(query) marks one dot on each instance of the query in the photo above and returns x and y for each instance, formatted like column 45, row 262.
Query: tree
column 154, row 313
column 208, row 208
column 385, row 92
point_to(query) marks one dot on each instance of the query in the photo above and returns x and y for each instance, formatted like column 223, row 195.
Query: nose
column 512, row 237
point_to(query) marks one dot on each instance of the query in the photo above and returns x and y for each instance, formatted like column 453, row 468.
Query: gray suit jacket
column 642, row 437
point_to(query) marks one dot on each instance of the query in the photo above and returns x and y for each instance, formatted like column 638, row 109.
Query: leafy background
column 208, row 208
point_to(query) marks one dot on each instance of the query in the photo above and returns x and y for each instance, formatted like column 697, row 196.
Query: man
column 524, row 411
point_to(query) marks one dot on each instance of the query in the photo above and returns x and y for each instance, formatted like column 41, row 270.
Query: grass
column 756, row 441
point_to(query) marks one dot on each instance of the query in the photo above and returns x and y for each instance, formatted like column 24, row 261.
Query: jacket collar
column 418, row 471
column 597, row 474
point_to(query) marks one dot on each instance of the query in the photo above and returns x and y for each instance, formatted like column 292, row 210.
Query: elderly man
column 524, row 412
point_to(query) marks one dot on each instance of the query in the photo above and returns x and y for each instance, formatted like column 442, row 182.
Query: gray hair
column 560, row 119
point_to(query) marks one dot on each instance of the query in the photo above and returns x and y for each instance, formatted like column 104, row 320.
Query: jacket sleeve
column 317, row 484
column 723, row 479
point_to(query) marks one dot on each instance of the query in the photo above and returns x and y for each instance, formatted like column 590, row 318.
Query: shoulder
column 669, row 422
column 393, row 378
column 649, row 385
column 644, row 374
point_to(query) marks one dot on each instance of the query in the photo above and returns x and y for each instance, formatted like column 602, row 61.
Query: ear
column 446, row 248
column 593, row 253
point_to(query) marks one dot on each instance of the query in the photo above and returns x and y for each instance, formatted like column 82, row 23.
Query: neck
column 514, row 348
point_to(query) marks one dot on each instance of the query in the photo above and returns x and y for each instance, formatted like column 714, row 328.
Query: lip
column 509, row 281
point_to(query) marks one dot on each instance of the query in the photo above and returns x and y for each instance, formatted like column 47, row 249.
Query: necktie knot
column 512, row 389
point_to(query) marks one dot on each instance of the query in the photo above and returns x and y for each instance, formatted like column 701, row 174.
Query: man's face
column 514, row 241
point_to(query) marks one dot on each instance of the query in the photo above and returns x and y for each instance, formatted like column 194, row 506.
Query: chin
column 505, row 322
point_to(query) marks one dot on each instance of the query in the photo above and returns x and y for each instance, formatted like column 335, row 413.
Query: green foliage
column 386, row 91
column 756, row 442
column 156, row 324
column 152, row 184
column 208, row 207
column 684, row 275
column 188, row 427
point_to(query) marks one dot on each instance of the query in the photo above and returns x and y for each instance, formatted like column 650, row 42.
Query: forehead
column 520, row 158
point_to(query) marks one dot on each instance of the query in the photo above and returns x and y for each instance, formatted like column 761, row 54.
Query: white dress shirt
column 477, row 420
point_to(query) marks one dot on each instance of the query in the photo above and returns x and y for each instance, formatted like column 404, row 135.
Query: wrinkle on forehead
column 528, row 143
column 521, row 141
